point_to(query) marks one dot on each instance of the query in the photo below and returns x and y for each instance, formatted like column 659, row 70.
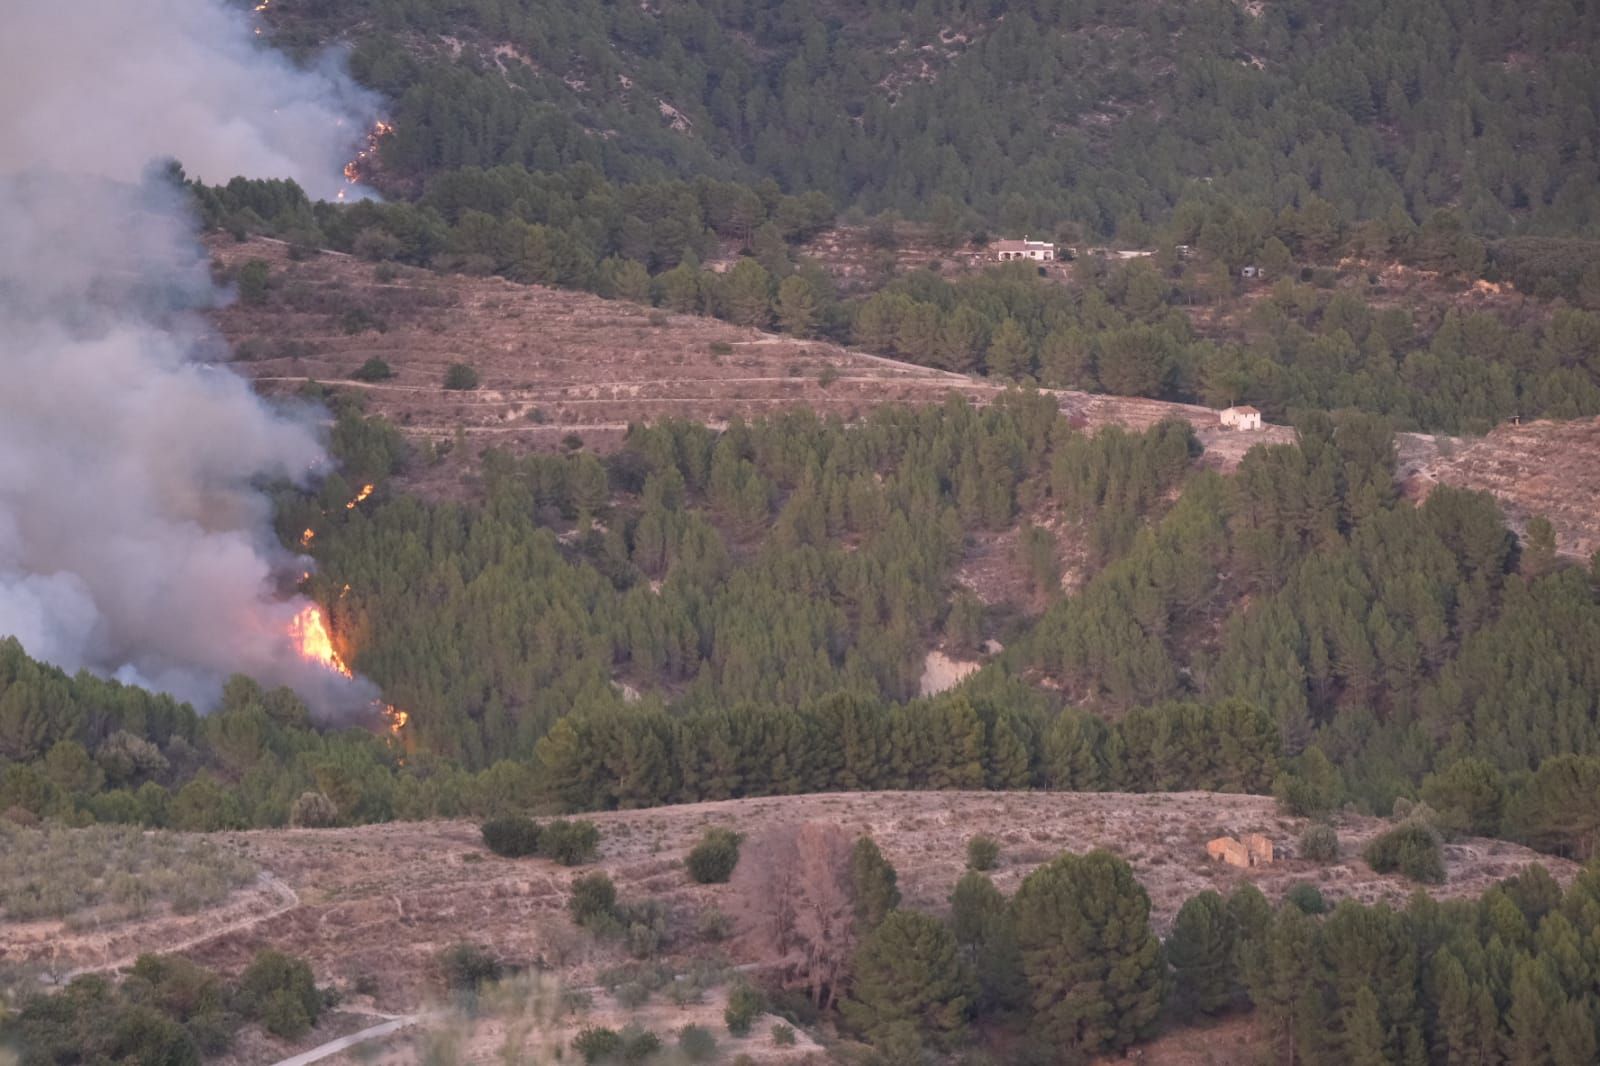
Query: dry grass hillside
column 553, row 363
column 1536, row 468
column 373, row 908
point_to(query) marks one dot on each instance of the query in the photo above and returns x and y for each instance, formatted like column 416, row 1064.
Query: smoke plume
column 135, row 540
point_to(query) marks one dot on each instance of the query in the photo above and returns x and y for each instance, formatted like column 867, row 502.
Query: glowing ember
column 312, row 639
column 397, row 718
column 307, row 537
column 366, row 490
column 352, row 169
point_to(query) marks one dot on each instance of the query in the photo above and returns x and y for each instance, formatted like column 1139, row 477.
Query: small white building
column 1245, row 417
column 1039, row 251
column 1250, row 273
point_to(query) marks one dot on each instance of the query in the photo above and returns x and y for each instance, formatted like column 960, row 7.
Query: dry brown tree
column 795, row 907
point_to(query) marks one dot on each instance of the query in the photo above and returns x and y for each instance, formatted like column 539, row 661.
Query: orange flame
column 310, row 632
column 366, row 490
column 397, row 718
column 314, row 642
column 352, row 169
column 307, row 537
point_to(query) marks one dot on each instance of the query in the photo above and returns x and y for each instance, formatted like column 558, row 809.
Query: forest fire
column 366, row 490
column 353, row 169
column 312, row 639
column 314, row 642
column 307, row 537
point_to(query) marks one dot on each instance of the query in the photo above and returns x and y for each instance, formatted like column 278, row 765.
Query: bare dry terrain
column 1536, row 468
column 373, row 907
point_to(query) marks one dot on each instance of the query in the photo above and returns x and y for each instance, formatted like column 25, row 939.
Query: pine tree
column 909, row 970
column 1202, row 952
column 983, row 927
column 1095, row 972
column 797, row 306
column 1010, row 354
column 876, row 891
column 1279, row 976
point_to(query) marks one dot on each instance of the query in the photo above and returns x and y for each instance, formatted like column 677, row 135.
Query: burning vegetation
column 313, row 637
column 354, row 170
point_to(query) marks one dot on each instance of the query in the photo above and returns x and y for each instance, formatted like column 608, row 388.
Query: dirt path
column 344, row 1043
column 288, row 900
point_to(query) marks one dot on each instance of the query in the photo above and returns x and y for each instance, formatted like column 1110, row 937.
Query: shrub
column 783, row 1035
column 697, row 1043
column 1307, row 897
column 593, row 897
column 713, row 925
column 633, row 995
column 711, row 861
column 638, row 1044
column 360, row 320
column 598, row 1044
column 1413, row 849
column 720, row 348
column 284, row 1016
column 745, row 1004
column 313, row 810
column 467, row 966
column 569, row 843
column 279, row 991
column 373, row 369
column 512, row 836
column 1319, row 843
column 253, row 281
column 460, row 377
column 982, row 852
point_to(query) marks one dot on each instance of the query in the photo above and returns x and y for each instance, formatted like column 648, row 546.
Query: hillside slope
column 556, row 362
column 375, row 906
column 1108, row 114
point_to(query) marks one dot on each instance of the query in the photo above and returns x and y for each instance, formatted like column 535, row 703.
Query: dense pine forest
column 709, row 615
column 1032, row 115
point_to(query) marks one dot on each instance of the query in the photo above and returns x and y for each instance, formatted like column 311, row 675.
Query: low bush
column 468, row 966
column 373, row 369
column 460, row 377
column 712, row 860
column 569, row 843
column 598, row 1044
column 1413, row 849
column 594, row 897
column 713, row 925
column 1307, row 897
column 745, row 1005
column 279, row 991
column 1319, row 843
column 982, row 852
column 697, row 1043
column 783, row 1035
column 511, row 836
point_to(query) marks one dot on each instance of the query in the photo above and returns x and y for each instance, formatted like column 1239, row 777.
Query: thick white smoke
column 134, row 537
column 103, row 86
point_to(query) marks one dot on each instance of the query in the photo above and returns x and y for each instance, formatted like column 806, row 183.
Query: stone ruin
column 1253, row 849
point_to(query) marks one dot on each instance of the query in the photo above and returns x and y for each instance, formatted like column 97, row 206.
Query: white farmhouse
column 1245, row 417
column 1040, row 251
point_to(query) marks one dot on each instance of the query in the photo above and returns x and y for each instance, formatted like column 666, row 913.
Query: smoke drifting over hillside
column 134, row 539
column 103, row 86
